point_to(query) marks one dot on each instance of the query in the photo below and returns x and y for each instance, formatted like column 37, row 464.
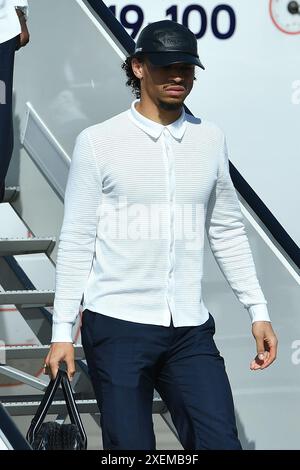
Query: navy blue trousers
column 7, row 56
column 127, row 360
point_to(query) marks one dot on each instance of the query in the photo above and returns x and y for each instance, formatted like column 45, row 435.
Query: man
column 13, row 35
column 133, row 181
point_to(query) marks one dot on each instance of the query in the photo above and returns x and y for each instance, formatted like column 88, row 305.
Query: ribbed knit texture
column 182, row 165
column 9, row 21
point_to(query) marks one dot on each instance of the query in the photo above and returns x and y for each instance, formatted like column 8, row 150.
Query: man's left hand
column 24, row 35
column 266, row 344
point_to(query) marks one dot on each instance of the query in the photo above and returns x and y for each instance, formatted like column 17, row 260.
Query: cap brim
column 167, row 58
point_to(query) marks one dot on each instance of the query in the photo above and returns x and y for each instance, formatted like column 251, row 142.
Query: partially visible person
column 13, row 35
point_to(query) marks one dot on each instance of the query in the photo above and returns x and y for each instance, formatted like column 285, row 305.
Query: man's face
column 166, row 86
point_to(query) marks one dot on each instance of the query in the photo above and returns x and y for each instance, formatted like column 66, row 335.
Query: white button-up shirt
column 174, row 130
column 128, row 246
column 9, row 21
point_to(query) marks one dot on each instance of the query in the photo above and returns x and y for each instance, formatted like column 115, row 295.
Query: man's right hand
column 60, row 352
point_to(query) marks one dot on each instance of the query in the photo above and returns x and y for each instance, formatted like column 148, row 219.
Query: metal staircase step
column 33, row 352
column 11, row 193
column 25, row 408
column 21, row 246
column 57, row 406
column 27, row 298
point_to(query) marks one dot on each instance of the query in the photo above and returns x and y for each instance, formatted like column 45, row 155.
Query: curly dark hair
column 132, row 80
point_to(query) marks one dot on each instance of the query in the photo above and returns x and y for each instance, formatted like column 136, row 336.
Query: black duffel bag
column 51, row 435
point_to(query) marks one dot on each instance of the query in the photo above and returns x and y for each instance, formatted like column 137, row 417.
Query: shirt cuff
column 62, row 332
column 22, row 5
column 259, row 312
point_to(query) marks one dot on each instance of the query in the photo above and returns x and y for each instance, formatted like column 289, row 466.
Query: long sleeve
column 77, row 238
column 229, row 243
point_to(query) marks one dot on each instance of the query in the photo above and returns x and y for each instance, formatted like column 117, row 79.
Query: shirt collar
column 153, row 128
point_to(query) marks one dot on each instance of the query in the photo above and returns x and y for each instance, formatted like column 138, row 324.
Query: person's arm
column 76, row 249
column 21, row 7
column 229, row 243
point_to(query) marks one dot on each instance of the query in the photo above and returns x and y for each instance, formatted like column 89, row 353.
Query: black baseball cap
column 167, row 42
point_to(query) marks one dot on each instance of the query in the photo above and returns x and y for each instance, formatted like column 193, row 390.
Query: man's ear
column 137, row 68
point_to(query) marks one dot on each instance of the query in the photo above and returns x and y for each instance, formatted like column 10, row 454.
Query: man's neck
column 151, row 111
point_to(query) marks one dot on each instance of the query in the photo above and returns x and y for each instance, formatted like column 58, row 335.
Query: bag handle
column 43, row 407
column 37, row 420
column 72, row 407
